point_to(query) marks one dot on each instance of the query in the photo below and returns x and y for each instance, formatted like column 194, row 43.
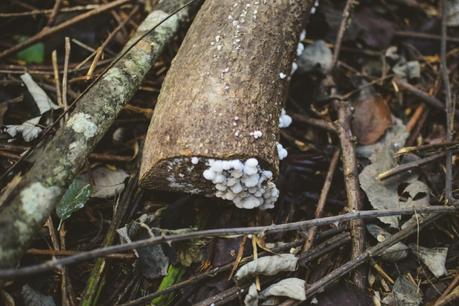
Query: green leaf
column 74, row 199
column 174, row 275
column 33, row 54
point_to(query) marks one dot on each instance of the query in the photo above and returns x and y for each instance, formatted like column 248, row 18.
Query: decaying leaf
column 33, row 297
column 190, row 252
column 40, row 97
column 315, row 57
column 152, row 261
column 418, row 195
column 404, row 293
column 251, row 299
column 433, row 258
column 28, row 129
column 384, row 194
column 290, row 287
column 268, row 265
column 106, row 183
column 407, row 70
column 396, row 252
column 371, row 117
column 73, row 199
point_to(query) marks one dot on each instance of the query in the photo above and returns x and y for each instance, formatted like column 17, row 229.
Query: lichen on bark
column 64, row 156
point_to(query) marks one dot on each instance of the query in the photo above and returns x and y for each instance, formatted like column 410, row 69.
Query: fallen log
column 216, row 123
column 42, row 186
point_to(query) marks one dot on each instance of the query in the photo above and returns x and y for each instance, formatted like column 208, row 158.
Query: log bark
column 42, row 186
column 227, row 81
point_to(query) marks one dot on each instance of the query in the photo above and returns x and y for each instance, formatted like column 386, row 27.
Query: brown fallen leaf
column 371, row 117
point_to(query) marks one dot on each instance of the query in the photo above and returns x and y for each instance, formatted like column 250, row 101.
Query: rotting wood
column 228, row 81
column 42, row 186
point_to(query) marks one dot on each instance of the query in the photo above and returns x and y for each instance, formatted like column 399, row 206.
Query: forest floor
column 372, row 101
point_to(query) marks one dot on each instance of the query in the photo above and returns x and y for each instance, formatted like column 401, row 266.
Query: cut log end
column 221, row 101
column 245, row 182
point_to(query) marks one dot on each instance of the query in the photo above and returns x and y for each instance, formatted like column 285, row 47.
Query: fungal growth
column 284, row 119
column 228, row 103
column 246, row 184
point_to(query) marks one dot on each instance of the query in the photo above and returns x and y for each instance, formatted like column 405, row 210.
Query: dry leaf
column 371, row 117
column 396, row 252
column 404, row 293
column 290, row 287
column 433, row 258
column 268, row 265
column 251, row 299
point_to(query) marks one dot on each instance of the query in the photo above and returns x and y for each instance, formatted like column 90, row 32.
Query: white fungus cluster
column 284, row 119
column 246, row 184
column 256, row 134
column 281, row 151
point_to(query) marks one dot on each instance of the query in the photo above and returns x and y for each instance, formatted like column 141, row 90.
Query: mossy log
column 40, row 189
column 226, row 84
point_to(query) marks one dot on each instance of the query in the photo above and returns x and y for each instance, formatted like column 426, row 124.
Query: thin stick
column 65, row 76
column 354, row 200
column 54, row 12
column 449, row 104
column 301, row 225
column 408, row 166
column 342, row 29
column 322, row 199
column 48, row 12
column 431, row 100
column 314, row 122
column 57, row 82
column 101, row 49
column 419, row 35
column 50, row 31
column 445, row 293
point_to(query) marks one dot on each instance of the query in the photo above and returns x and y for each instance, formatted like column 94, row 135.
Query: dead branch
column 300, row 225
column 42, row 186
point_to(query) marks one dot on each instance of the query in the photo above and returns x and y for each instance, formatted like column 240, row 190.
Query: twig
column 54, row 12
column 322, row 199
column 431, row 100
column 342, row 29
column 354, row 201
column 314, row 122
column 101, row 49
column 97, row 109
column 369, row 253
column 66, row 73
column 48, row 12
column 449, row 104
column 300, row 225
column 419, row 35
column 56, row 77
column 445, row 293
column 410, row 165
column 50, row 31
column 46, row 252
